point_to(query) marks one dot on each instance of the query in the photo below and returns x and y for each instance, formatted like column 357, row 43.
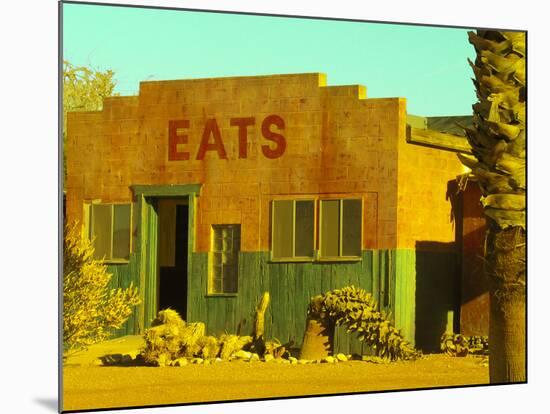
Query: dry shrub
column 170, row 338
column 190, row 337
column 209, row 346
column 232, row 343
column 91, row 310
column 163, row 342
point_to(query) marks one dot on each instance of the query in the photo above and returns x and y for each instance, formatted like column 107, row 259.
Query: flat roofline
column 273, row 75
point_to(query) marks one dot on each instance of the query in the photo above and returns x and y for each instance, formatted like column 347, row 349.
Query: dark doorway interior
column 173, row 266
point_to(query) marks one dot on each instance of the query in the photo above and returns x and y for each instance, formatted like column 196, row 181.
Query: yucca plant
column 498, row 142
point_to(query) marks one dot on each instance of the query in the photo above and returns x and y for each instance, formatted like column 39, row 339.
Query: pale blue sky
column 426, row 65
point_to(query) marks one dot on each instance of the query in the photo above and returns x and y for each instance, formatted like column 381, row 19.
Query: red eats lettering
column 242, row 123
column 211, row 139
column 273, row 136
column 211, row 128
column 174, row 140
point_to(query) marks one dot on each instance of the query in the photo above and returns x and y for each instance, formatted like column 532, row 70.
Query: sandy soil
column 89, row 386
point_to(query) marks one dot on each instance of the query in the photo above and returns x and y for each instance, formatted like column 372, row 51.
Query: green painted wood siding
column 122, row 276
column 291, row 286
column 392, row 276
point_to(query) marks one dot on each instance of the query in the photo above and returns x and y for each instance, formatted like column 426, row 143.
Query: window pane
column 282, row 228
column 226, row 233
column 217, row 286
column 330, row 213
column 101, row 230
column 218, row 246
column 225, row 262
column 121, row 231
column 230, row 279
column 227, row 244
column 227, row 258
column 304, row 228
column 351, row 228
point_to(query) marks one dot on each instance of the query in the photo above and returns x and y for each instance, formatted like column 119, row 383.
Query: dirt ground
column 89, row 386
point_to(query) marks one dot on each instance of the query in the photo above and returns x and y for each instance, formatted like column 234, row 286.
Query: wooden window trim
column 221, row 295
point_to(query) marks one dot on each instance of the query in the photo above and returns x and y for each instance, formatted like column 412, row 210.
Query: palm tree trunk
column 506, row 266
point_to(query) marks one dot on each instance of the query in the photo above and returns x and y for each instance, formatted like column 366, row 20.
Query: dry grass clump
column 170, row 339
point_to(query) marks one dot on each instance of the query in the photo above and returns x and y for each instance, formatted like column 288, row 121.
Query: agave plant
column 498, row 142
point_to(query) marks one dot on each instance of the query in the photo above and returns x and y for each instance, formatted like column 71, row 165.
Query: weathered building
column 207, row 192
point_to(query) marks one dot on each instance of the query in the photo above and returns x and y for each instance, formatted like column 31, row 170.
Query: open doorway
column 172, row 254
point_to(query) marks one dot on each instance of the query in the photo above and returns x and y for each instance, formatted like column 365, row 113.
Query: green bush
column 91, row 310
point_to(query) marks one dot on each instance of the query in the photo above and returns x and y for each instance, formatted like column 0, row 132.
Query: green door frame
column 146, row 241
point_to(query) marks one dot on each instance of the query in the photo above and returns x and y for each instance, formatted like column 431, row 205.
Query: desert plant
column 275, row 349
column 209, row 347
column 460, row 345
column 170, row 338
column 358, row 311
column 163, row 341
column 91, row 310
column 454, row 344
column 230, row 344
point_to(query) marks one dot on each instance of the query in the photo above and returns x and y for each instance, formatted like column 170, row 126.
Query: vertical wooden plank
column 391, row 281
column 411, row 292
column 405, row 307
column 134, row 270
column 274, row 275
column 192, row 295
column 366, row 271
column 302, row 302
column 254, row 289
column 290, row 303
column 141, row 257
column 242, row 288
column 151, row 264
column 398, row 306
column 354, row 271
column 375, row 273
column 381, row 279
column 284, row 311
column 198, row 281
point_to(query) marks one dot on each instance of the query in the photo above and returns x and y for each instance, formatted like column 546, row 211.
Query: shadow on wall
column 437, row 293
column 474, row 312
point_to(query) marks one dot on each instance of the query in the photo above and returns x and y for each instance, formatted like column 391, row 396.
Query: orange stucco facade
column 250, row 140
